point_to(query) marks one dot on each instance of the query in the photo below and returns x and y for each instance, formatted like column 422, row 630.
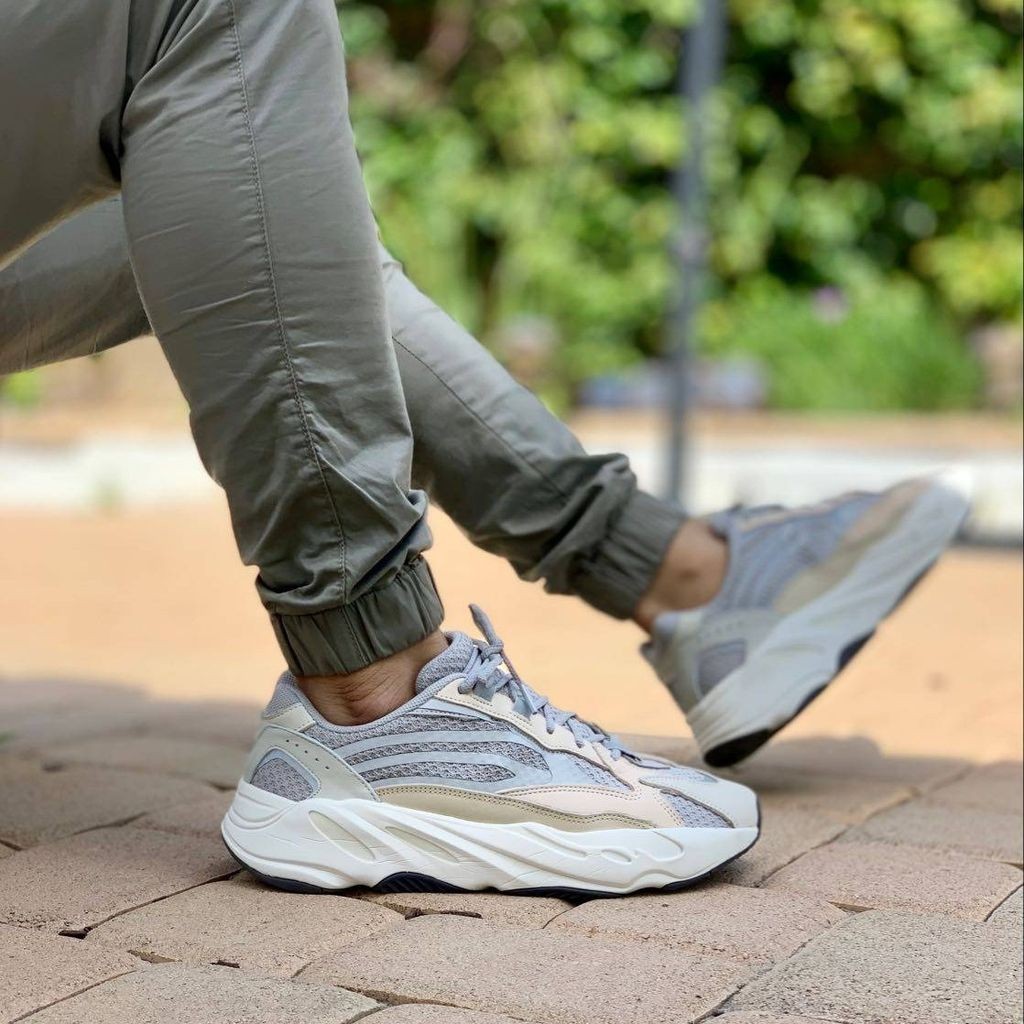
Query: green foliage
column 518, row 154
column 883, row 349
column 21, row 390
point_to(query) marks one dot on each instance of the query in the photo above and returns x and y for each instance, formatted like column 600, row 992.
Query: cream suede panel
column 497, row 809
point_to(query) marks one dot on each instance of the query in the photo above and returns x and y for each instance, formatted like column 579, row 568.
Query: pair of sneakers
column 479, row 782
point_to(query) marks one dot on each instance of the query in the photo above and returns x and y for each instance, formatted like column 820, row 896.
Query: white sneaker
column 477, row 782
column 805, row 590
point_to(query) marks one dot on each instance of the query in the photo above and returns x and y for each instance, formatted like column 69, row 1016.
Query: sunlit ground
column 158, row 600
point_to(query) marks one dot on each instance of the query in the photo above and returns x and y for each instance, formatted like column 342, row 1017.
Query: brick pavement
column 884, row 891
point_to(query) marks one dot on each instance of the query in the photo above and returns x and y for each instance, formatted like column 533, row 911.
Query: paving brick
column 244, row 924
column 993, row 787
column 786, row 832
column 75, row 883
column 36, row 969
column 194, row 759
column 198, row 818
column 173, row 994
column 970, row 830
column 38, row 805
column 38, row 731
column 858, row 757
column 1010, row 913
column 40, row 696
column 887, row 967
column 412, row 1013
column 754, row 926
column 488, row 906
column 845, row 799
column 225, row 722
column 757, row 1017
column 874, row 875
column 554, row 979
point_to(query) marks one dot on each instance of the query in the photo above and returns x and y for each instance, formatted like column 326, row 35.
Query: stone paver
column 757, row 1017
column 75, row 883
column 38, row 732
column 754, row 926
column 887, row 967
column 531, row 975
column 37, row 969
column 198, row 818
column 173, row 994
column 846, row 799
column 971, row 830
column 412, row 1013
column 1010, row 913
column 856, row 757
column 993, row 787
column 786, row 832
column 875, row 875
column 241, row 923
column 194, row 759
column 488, row 906
column 38, row 805
column 234, row 725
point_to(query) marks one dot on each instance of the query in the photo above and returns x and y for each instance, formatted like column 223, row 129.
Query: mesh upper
column 278, row 773
column 517, row 751
column 440, row 770
column 693, row 814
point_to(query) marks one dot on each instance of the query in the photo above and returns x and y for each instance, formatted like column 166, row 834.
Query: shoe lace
column 489, row 671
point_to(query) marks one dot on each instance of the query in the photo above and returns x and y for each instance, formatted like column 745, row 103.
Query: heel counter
column 333, row 778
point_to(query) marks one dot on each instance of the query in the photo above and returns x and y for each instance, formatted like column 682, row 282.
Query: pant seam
column 472, row 412
column 293, row 376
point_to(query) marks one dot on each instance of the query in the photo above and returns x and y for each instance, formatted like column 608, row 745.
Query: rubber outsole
column 725, row 755
column 411, row 881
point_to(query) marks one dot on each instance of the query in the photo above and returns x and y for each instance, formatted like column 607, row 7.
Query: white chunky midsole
column 335, row 844
column 801, row 654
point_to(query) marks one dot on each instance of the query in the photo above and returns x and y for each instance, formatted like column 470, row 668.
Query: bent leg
column 536, row 497
column 254, row 250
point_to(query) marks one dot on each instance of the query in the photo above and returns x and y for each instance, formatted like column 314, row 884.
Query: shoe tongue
column 447, row 663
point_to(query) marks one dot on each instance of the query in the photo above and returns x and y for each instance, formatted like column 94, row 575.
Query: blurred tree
column 518, row 154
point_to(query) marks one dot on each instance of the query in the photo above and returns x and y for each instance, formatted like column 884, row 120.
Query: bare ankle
column 690, row 575
column 374, row 691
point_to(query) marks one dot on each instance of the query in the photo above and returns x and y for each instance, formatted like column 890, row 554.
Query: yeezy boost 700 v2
column 805, row 589
column 477, row 782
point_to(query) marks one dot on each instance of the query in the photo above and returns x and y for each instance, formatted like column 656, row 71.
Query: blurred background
column 860, row 320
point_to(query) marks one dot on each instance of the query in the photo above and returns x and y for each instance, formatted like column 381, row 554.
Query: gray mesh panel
column 284, row 697
column 280, row 774
column 439, row 770
column 570, row 769
column 718, row 661
column 695, row 815
column 408, row 723
column 514, row 751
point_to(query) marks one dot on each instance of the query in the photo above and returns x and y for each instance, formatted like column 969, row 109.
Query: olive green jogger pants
column 313, row 392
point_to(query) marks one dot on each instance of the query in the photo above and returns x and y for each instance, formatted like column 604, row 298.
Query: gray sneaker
column 477, row 782
column 805, row 590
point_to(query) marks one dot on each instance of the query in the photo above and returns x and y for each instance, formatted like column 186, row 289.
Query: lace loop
column 489, row 671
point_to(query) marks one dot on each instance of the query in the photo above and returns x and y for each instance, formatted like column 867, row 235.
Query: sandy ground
column 158, row 600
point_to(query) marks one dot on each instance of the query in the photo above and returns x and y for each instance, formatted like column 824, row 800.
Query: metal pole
column 699, row 73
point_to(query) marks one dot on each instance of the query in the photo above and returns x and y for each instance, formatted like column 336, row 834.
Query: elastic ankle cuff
column 622, row 567
column 388, row 619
